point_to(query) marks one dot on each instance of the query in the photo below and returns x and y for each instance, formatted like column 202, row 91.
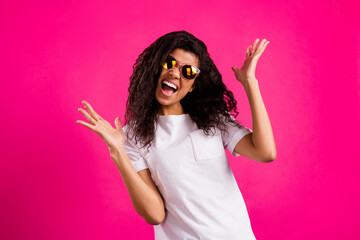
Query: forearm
column 145, row 200
column 262, row 136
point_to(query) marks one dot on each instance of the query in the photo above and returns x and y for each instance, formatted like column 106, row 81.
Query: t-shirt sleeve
column 133, row 151
column 233, row 136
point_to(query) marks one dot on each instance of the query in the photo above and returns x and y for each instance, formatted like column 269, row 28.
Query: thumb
column 235, row 69
column 117, row 123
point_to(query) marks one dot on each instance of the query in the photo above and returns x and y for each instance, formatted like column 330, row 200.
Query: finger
column 91, row 111
column 262, row 43
column 264, row 46
column 117, row 123
column 88, row 117
column 248, row 51
column 89, row 126
column 255, row 45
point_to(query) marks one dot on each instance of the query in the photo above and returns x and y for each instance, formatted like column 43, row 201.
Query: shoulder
column 229, row 123
column 129, row 136
column 132, row 142
column 128, row 131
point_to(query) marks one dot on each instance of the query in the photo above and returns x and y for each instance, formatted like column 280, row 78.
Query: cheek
column 186, row 85
column 162, row 74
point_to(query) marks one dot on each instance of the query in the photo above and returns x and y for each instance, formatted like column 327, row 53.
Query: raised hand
column 114, row 138
column 247, row 72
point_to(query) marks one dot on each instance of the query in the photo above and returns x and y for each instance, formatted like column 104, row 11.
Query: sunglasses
column 187, row 71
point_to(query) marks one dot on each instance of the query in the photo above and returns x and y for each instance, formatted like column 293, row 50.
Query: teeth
column 170, row 84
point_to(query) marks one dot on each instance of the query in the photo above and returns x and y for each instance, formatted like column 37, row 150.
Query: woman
column 171, row 154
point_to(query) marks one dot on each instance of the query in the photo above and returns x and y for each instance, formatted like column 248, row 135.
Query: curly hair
column 209, row 105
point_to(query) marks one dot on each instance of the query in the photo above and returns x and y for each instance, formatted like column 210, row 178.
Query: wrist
column 117, row 152
column 251, row 83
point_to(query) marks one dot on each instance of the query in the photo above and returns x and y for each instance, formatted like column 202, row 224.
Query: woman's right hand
column 114, row 138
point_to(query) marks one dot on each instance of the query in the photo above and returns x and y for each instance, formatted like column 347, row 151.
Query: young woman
column 171, row 154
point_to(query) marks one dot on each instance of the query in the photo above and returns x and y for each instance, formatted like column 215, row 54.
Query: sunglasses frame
column 181, row 66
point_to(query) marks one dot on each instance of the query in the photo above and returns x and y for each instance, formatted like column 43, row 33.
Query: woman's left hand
column 247, row 71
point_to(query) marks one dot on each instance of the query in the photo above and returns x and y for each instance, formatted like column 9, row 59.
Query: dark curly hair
column 209, row 105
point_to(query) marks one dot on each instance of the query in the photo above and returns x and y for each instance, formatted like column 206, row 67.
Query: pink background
column 57, row 178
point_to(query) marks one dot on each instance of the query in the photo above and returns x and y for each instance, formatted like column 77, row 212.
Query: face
column 165, row 95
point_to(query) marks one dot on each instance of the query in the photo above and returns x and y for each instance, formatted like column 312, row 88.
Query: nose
column 175, row 72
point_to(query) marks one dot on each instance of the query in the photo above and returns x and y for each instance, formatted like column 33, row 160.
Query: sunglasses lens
column 169, row 63
column 189, row 71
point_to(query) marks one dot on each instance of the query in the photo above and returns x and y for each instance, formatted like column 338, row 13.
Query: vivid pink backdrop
column 57, row 178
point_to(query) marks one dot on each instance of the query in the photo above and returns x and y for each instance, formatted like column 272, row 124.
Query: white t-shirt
column 192, row 173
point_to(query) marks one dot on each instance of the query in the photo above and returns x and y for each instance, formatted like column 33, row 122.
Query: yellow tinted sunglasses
column 187, row 71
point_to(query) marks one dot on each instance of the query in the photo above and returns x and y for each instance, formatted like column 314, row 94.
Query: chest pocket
column 206, row 147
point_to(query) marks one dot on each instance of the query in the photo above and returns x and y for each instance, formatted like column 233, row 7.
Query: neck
column 175, row 109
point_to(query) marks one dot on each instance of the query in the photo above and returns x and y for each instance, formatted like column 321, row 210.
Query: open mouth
column 168, row 88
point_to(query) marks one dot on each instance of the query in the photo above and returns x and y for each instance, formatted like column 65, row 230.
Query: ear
column 192, row 87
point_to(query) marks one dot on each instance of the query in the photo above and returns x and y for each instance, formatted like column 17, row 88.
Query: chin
column 164, row 102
